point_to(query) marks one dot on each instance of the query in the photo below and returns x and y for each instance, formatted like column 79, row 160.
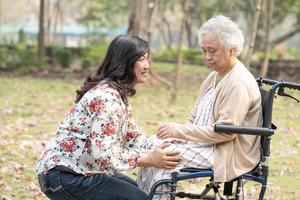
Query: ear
column 232, row 52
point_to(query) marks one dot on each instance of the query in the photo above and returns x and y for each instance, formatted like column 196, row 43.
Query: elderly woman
column 229, row 95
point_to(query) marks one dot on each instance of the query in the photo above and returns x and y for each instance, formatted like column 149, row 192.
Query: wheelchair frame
column 259, row 174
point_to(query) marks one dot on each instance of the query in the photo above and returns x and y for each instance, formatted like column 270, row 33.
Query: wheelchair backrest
column 267, row 107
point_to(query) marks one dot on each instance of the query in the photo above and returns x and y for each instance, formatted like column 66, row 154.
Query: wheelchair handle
column 223, row 128
column 284, row 84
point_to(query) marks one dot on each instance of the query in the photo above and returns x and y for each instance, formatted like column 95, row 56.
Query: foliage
column 86, row 63
column 19, row 56
column 96, row 53
column 105, row 12
column 193, row 56
column 275, row 54
column 293, row 53
column 21, row 36
column 64, row 57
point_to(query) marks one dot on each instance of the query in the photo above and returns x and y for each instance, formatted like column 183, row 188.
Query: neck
column 228, row 68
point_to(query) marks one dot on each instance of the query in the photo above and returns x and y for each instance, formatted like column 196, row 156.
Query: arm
column 106, row 140
column 233, row 107
column 134, row 138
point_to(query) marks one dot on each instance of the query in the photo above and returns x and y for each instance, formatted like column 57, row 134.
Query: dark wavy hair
column 117, row 66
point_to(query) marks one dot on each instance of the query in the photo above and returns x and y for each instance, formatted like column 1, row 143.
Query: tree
column 41, row 34
column 164, row 25
column 105, row 13
column 140, row 19
column 48, row 22
column 253, row 33
column 179, row 52
column 265, row 65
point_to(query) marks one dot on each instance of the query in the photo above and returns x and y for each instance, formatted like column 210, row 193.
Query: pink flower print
column 109, row 129
column 99, row 144
column 133, row 162
column 88, row 165
column 88, row 144
column 72, row 128
column 55, row 159
column 68, row 145
column 95, row 105
column 130, row 135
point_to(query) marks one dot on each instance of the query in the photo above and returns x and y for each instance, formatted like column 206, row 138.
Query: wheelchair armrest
column 194, row 169
column 223, row 128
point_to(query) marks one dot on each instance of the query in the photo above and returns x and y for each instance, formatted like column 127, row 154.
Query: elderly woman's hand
column 165, row 131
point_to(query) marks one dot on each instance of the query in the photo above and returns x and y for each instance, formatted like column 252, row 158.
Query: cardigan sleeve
column 233, row 107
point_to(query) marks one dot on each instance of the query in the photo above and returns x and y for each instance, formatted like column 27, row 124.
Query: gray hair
column 227, row 31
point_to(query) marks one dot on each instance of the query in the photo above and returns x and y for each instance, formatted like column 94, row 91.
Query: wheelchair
column 259, row 174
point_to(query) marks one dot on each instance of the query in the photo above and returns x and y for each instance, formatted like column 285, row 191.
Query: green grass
column 31, row 108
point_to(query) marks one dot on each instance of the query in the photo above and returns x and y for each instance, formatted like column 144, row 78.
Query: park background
column 48, row 47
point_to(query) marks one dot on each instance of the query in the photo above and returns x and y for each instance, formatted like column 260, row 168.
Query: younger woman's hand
column 162, row 158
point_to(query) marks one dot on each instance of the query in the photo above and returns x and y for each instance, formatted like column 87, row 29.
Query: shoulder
column 240, row 75
column 241, row 79
column 103, row 90
column 102, row 95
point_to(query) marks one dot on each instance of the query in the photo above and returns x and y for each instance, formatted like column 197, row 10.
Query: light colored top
column 204, row 108
column 98, row 135
column 237, row 102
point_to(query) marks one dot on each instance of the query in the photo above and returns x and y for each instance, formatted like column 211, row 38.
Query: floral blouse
column 98, row 135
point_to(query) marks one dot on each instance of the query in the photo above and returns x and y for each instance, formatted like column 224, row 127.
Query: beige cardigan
column 237, row 102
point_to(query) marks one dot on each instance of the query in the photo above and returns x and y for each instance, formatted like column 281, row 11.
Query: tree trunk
column 265, row 65
column 1, row 39
column 253, row 32
column 137, row 19
column 140, row 24
column 189, row 36
column 169, row 32
column 58, row 19
column 179, row 52
column 162, row 34
column 160, row 27
column 48, row 14
column 150, row 10
column 41, row 34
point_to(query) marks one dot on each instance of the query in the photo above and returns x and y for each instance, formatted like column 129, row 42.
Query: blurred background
column 48, row 47
column 36, row 33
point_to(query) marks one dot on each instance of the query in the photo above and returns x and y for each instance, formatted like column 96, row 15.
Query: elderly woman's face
column 215, row 55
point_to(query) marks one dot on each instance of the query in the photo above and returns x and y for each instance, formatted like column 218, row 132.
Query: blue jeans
column 60, row 183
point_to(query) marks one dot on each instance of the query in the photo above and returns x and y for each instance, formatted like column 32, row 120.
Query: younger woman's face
column 142, row 68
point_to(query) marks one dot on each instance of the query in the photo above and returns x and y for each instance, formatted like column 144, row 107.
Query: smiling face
column 215, row 55
column 141, row 68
